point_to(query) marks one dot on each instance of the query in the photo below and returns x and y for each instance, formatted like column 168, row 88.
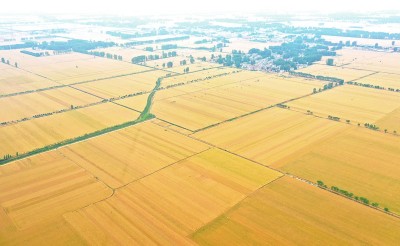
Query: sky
column 146, row 7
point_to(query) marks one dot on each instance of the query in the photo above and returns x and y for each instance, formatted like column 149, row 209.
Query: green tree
column 329, row 62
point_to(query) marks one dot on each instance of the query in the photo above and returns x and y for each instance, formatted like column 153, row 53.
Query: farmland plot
column 206, row 107
column 289, row 212
column 347, row 74
column 358, row 160
column 122, row 157
column 355, row 103
column 32, row 134
column 15, row 80
column 40, row 189
column 166, row 206
column 28, row 105
column 269, row 136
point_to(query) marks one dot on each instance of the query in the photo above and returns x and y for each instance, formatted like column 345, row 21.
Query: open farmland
column 37, row 103
column 289, row 212
column 348, row 55
column 172, row 203
column 124, row 85
column 146, row 127
column 32, row 134
column 385, row 62
column 357, row 160
column 72, row 67
column 385, row 80
column 197, row 66
column 202, row 108
column 354, row 103
column 132, row 153
column 42, row 188
column 270, row 135
column 14, row 80
column 347, row 74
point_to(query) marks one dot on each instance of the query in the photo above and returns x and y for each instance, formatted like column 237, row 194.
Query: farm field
column 40, row 189
column 116, row 87
column 348, row 55
column 28, row 105
column 127, row 53
column 197, row 66
column 345, row 73
column 127, row 155
column 206, row 107
column 290, row 212
column 358, row 160
column 172, row 203
column 271, row 135
column 245, row 45
column 32, row 134
column 385, row 80
column 72, row 67
column 355, row 103
column 385, row 62
column 14, row 80
column 360, row 41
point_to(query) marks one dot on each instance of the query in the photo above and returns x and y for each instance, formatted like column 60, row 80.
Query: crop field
column 73, row 67
column 386, row 80
column 127, row 53
column 270, row 135
column 360, row 41
column 27, row 105
column 197, row 66
column 42, row 188
column 206, row 107
column 15, row 80
column 384, row 62
column 358, row 160
column 29, row 135
column 172, row 203
column 249, row 137
column 116, row 87
column 345, row 73
column 245, row 45
column 347, row 55
column 290, row 212
column 132, row 153
column 355, row 103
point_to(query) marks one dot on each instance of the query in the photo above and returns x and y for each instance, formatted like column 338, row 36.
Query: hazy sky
column 135, row 7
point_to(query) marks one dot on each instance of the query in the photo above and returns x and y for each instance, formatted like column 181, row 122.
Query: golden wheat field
column 386, row 80
column 29, row 135
column 28, row 105
column 14, row 80
column 358, row 160
column 202, row 108
column 130, row 154
column 357, row 104
column 345, row 73
column 120, row 86
column 234, row 144
column 385, row 62
column 72, row 67
column 290, row 212
column 169, row 205
column 269, row 136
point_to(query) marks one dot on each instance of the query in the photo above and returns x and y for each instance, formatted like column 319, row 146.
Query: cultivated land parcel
column 95, row 150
